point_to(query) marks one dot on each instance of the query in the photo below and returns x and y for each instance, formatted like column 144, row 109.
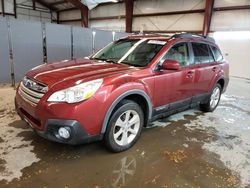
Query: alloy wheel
column 215, row 97
column 126, row 127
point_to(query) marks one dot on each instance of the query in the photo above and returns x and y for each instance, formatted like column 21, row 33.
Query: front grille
column 30, row 92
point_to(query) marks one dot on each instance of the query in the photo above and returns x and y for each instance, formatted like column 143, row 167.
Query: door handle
column 214, row 69
column 190, row 74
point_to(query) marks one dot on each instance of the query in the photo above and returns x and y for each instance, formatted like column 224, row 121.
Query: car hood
column 54, row 73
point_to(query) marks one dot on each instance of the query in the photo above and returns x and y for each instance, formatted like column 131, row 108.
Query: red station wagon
column 120, row 89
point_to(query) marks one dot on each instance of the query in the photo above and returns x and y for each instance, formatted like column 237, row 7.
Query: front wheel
column 213, row 101
column 124, row 127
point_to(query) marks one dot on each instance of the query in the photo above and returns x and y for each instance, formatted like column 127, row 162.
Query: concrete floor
column 189, row 149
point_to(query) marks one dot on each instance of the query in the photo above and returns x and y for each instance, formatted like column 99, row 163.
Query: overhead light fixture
column 93, row 3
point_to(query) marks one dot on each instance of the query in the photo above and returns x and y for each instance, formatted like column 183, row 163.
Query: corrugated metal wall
column 4, row 52
column 28, row 41
column 27, row 45
column 221, row 20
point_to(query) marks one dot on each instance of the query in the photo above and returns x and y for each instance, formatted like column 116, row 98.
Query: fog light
column 64, row 132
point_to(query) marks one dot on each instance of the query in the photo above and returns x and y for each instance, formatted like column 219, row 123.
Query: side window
column 202, row 53
column 178, row 52
column 217, row 54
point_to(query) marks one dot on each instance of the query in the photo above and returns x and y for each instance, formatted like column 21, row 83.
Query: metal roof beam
column 47, row 5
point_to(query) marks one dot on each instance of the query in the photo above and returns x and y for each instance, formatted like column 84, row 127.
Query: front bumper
column 47, row 119
column 78, row 134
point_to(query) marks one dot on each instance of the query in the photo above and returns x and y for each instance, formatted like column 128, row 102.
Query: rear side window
column 202, row 53
column 217, row 54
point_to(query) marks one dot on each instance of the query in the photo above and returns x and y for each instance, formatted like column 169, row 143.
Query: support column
column 207, row 17
column 129, row 5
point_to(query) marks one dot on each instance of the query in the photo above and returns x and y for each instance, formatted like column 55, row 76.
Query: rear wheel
column 124, row 127
column 213, row 101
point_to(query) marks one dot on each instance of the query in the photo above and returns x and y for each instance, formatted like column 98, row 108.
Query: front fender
column 113, row 98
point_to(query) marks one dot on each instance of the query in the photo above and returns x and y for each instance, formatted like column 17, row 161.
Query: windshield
column 135, row 52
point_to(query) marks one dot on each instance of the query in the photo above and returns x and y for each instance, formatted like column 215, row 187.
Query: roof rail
column 191, row 35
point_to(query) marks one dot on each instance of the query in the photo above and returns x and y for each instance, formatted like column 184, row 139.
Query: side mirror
column 170, row 64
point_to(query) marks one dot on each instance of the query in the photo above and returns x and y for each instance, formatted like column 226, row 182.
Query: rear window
column 202, row 53
column 217, row 54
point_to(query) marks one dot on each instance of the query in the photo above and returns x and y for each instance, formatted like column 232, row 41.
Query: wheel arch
column 221, row 81
column 139, row 96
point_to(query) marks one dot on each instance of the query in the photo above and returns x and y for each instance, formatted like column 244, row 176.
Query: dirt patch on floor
column 15, row 152
column 232, row 123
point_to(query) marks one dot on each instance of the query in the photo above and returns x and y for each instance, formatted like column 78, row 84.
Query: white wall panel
column 175, row 22
column 23, row 17
column 114, row 24
column 8, row 6
column 29, row 14
column 108, row 10
column 34, row 13
column 46, row 15
column 226, row 3
column 22, row 11
column 231, row 20
column 153, row 6
column 75, row 14
column 29, row 3
column 236, row 52
column 46, row 20
column 78, row 23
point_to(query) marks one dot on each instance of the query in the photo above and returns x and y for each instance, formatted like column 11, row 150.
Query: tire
column 213, row 100
column 122, row 133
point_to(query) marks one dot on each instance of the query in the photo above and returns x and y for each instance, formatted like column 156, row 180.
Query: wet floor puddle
column 190, row 149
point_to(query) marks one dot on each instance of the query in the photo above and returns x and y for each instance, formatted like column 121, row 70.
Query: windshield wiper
column 95, row 58
column 130, row 64
column 111, row 61
column 107, row 60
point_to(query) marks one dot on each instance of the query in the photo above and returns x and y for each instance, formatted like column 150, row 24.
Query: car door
column 173, row 88
column 206, row 71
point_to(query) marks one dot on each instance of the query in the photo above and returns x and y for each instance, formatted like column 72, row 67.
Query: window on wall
column 202, row 53
column 217, row 54
column 178, row 52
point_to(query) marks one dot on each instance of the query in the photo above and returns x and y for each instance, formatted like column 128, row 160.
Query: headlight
column 77, row 93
